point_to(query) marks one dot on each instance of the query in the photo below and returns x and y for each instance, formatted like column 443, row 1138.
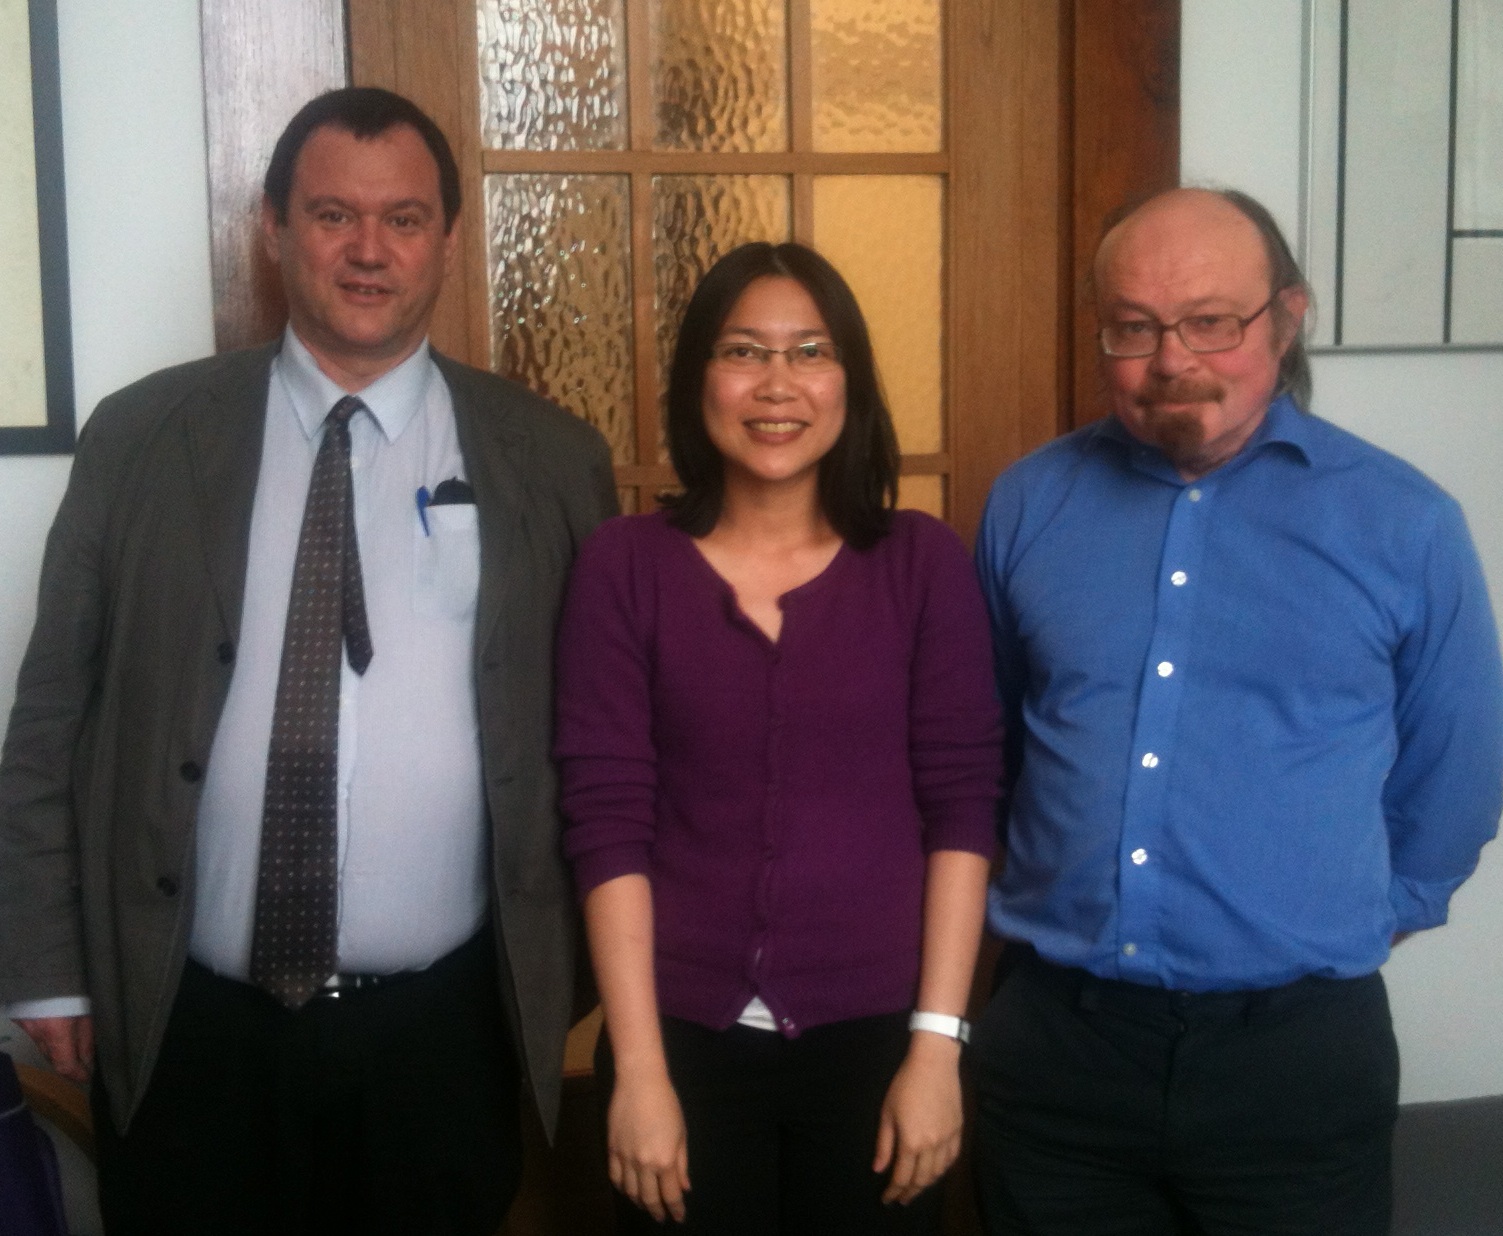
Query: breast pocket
column 446, row 562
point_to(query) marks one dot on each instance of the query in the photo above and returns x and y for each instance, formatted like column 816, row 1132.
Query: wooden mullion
column 475, row 243
column 714, row 163
column 801, row 113
column 639, row 164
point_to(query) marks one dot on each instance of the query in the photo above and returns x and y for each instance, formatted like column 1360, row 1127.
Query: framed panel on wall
column 36, row 347
column 1403, row 202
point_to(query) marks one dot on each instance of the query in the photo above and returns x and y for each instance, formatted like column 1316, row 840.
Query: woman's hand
column 647, row 1153
column 918, row 1133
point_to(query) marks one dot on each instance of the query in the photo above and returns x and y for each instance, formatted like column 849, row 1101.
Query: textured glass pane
column 719, row 72
column 560, row 294
column 696, row 220
column 877, row 71
column 552, row 74
column 885, row 234
column 922, row 493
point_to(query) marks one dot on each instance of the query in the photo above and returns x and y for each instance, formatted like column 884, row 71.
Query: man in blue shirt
column 1256, row 714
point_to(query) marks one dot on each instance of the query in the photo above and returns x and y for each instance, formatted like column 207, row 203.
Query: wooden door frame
column 1072, row 109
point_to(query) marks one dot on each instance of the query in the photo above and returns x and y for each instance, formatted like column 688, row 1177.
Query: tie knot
column 341, row 412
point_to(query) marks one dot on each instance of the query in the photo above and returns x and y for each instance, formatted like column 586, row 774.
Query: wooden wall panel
column 424, row 50
column 263, row 59
column 1124, row 146
column 1005, row 209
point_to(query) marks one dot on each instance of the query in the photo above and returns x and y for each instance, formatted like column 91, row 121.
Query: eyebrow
column 814, row 332
column 333, row 199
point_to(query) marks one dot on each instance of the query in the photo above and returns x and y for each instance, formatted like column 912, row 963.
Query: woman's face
column 773, row 417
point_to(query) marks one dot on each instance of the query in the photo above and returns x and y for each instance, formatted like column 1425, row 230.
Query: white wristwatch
column 956, row 1028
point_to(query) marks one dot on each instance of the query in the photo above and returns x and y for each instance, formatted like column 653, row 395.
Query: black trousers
column 1111, row 1108
column 782, row 1132
column 388, row 1110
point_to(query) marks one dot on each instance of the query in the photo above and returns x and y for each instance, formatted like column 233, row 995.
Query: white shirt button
column 1150, row 760
column 1178, row 579
column 1194, row 495
column 1166, row 668
column 1129, row 949
column 1139, row 857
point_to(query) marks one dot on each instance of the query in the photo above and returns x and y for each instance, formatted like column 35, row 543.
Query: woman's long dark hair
column 858, row 477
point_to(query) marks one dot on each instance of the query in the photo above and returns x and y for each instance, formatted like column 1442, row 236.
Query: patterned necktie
column 297, row 899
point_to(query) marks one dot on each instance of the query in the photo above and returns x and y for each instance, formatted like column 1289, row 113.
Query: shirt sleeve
column 1445, row 789
column 999, row 525
column 955, row 742
column 603, row 736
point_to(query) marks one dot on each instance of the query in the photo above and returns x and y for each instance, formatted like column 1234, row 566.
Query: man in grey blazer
column 134, row 796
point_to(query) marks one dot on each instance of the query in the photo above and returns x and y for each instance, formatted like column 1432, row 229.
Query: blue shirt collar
column 1284, row 424
column 393, row 399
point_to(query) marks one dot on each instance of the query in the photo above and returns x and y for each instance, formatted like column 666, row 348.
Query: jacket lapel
column 224, row 449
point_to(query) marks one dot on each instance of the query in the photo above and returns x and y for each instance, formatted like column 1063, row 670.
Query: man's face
column 363, row 251
column 1187, row 253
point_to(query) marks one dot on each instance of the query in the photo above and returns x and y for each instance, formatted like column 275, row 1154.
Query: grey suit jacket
column 129, row 664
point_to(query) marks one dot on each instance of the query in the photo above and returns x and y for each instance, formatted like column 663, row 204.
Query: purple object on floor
column 31, row 1199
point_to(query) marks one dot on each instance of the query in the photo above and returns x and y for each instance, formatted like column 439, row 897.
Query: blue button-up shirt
column 1256, row 719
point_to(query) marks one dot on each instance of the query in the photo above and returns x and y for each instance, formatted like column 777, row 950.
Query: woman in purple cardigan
column 780, row 755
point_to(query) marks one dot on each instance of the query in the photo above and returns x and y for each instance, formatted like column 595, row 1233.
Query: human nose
column 1172, row 356
column 365, row 245
column 775, row 378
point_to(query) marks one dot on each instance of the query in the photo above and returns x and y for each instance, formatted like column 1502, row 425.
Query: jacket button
column 190, row 771
column 167, row 886
column 226, row 653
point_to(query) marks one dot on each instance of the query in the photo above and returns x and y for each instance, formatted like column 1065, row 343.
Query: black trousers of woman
column 782, row 1132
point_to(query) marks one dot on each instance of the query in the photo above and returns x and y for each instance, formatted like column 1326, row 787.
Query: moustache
column 1180, row 391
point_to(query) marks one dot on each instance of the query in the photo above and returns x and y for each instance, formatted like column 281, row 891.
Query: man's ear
column 270, row 231
column 1295, row 302
column 451, row 247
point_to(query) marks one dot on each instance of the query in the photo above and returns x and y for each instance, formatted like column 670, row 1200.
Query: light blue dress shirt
column 1256, row 720
column 412, row 839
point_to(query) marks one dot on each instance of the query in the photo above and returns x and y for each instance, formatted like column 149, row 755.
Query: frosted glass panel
column 560, row 294
column 1479, row 116
column 1476, row 303
column 885, row 234
column 719, row 71
column 696, row 220
column 922, row 493
column 552, row 74
column 877, row 72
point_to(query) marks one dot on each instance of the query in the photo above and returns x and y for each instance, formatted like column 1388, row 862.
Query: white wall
column 1240, row 80
column 138, row 245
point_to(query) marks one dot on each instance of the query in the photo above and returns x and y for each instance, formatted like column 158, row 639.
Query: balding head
column 1194, row 253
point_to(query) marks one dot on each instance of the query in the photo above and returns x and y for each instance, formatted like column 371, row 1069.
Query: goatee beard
column 1180, row 434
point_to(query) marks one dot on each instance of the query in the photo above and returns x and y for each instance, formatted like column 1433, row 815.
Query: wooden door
column 954, row 158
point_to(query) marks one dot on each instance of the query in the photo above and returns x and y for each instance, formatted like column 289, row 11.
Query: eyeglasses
column 1200, row 332
column 811, row 356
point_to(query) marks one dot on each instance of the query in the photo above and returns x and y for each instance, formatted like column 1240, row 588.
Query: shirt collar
column 1284, row 424
column 393, row 399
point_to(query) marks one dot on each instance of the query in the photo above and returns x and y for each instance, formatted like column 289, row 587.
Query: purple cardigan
column 780, row 797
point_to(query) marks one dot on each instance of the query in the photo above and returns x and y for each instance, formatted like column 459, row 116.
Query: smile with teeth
column 364, row 289
column 774, row 426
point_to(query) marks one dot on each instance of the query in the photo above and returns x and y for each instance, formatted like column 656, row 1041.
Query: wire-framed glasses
column 810, row 356
column 1200, row 332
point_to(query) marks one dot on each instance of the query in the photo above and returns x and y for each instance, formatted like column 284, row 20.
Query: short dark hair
column 1295, row 378
column 858, row 477
column 366, row 112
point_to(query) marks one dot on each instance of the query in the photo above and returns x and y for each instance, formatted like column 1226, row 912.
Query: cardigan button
column 226, row 653
column 190, row 771
column 167, row 886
